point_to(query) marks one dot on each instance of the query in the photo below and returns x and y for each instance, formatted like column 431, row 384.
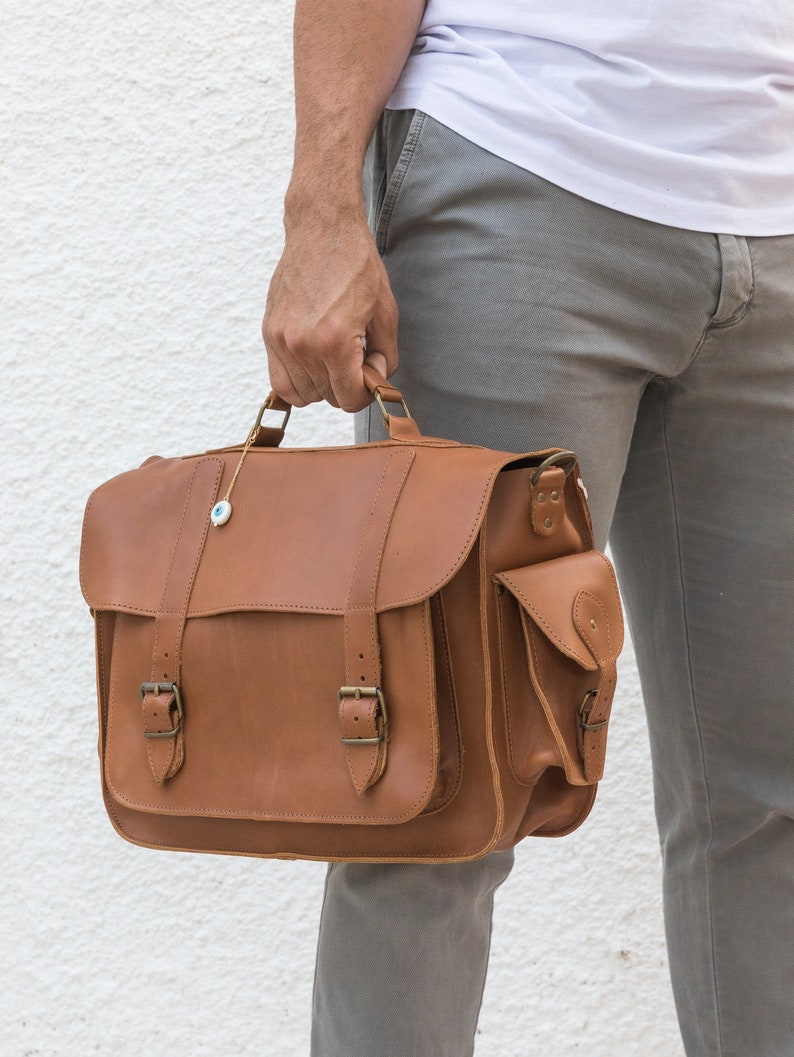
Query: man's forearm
column 348, row 57
column 330, row 308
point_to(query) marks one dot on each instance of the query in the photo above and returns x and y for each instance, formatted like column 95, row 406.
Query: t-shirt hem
column 571, row 174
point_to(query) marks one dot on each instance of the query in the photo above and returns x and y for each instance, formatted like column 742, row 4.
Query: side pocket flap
column 574, row 601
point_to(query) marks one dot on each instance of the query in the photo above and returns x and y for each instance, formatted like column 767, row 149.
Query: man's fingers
column 382, row 332
column 346, row 375
column 295, row 386
column 377, row 361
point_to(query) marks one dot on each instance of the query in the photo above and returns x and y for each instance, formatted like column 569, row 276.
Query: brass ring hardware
column 564, row 459
column 266, row 407
column 382, row 406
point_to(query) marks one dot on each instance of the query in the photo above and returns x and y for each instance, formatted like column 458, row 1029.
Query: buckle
column 164, row 688
column 585, row 710
column 583, row 716
column 357, row 692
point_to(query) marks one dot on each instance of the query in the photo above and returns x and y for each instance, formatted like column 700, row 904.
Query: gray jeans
column 532, row 318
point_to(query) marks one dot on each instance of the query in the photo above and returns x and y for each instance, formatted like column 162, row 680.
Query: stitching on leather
column 467, row 546
column 387, row 525
column 506, row 694
column 387, row 520
column 427, row 635
column 210, row 812
column 263, row 816
column 103, row 676
column 170, row 567
column 588, row 639
column 241, row 850
column 454, row 788
column 375, row 752
column 88, row 506
column 111, row 696
column 540, row 620
column 151, row 748
column 613, row 578
column 536, row 676
column 394, row 603
column 470, row 853
column 199, row 551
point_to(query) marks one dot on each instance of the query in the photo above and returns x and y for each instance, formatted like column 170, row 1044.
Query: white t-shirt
column 674, row 111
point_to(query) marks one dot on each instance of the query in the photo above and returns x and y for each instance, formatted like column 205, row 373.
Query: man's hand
column 329, row 310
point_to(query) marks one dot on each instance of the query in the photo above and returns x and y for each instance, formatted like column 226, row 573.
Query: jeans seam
column 707, row 860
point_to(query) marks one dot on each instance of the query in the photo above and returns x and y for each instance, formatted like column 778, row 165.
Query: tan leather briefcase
column 398, row 651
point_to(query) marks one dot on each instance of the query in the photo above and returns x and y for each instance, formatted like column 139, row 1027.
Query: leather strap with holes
column 592, row 622
column 161, row 707
column 547, row 502
column 359, row 716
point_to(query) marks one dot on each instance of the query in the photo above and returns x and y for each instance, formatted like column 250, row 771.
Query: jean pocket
column 393, row 150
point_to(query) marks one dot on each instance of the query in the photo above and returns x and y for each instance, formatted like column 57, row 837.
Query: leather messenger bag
column 397, row 651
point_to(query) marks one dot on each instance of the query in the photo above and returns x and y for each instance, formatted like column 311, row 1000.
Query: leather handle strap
column 380, row 386
column 399, row 427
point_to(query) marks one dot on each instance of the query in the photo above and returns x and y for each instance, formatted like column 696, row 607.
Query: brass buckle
column 565, row 459
column 164, row 688
column 583, row 715
column 358, row 692
column 585, row 710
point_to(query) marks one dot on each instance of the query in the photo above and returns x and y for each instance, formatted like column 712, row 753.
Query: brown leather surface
column 484, row 650
column 301, row 501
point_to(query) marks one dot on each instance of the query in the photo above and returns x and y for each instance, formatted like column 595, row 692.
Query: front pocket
column 261, row 728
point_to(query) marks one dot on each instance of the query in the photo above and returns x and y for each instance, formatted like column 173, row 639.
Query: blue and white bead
column 221, row 512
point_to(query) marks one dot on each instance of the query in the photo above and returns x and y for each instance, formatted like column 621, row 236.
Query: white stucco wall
column 144, row 151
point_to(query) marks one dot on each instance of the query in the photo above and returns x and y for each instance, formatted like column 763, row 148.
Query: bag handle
column 399, row 427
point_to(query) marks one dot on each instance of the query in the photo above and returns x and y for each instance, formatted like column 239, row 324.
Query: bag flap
column 574, row 601
column 298, row 518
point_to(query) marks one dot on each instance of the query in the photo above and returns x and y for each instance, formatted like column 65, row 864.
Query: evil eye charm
column 221, row 512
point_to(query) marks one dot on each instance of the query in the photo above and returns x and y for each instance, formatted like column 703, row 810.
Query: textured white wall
column 145, row 149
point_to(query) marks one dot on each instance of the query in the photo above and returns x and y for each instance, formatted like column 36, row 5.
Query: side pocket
column 561, row 630
column 393, row 151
